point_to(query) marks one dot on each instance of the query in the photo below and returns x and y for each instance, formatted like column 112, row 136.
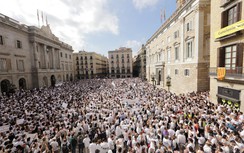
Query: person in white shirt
column 190, row 144
column 104, row 147
column 207, row 147
column 92, row 147
column 111, row 142
column 54, row 144
column 86, row 142
column 167, row 142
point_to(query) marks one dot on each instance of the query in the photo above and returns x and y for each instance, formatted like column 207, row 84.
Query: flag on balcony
column 221, row 71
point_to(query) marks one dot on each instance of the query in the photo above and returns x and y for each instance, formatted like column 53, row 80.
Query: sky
column 94, row 25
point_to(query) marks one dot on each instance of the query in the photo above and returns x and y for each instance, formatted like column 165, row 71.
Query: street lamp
column 153, row 81
column 168, row 82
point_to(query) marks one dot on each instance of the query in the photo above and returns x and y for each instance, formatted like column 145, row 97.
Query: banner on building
column 229, row 29
column 221, row 71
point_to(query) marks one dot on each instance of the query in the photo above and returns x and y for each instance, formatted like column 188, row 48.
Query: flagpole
column 42, row 19
column 161, row 15
column 38, row 18
column 46, row 21
column 164, row 15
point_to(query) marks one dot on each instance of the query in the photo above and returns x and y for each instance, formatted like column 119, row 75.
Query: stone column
column 45, row 56
column 36, row 65
column 53, row 58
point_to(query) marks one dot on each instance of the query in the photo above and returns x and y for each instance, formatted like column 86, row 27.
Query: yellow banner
column 229, row 29
column 221, row 73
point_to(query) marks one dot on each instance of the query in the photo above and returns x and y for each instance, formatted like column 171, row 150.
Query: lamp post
column 153, row 81
column 168, row 82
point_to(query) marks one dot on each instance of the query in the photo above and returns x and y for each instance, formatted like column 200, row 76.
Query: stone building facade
column 32, row 57
column 120, row 63
column 227, row 20
column 178, row 52
column 89, row 65
column 139, row 65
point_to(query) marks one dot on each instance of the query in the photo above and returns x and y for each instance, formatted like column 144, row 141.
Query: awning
column 228, row 98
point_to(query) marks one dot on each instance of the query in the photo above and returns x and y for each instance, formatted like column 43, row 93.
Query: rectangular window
column 128, row 55
column 168, row 55
column 176, row 34
column 189, row 26
column 69, row 56
column 66, row 55
column 231, row 15
column 19, row 44
column 1, row 40
column 189, row 49
column 61, row 54
column 231, row 57
column 176, row 53
column 187, row 72
column 3, row 64
column 176, row 71
column 20, row 65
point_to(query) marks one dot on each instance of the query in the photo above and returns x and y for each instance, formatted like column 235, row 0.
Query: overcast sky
column 94, row 25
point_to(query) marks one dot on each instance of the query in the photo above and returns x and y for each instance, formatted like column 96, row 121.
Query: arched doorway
column 53, row 80
column 45, row 81
column 22, row 83
column 5, row 84
column 159, row 77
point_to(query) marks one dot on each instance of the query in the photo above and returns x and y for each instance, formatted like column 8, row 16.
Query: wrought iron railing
column 237, row 72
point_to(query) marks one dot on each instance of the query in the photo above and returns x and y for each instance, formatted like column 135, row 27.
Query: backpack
column 65, row 148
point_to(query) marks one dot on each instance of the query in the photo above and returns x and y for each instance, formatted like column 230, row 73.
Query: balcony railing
column 237, row 72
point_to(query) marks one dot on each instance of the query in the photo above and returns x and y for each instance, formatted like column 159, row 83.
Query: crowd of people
column 116, row 116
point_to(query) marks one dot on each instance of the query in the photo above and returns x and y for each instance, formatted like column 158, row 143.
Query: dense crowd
column 116, row 116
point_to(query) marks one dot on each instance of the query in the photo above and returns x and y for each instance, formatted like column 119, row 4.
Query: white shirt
column 54, row 145
column 110, row 143
column 86, row 142
column 104, row 147
column 181, row 139
column 207, row 149
column 92, row 148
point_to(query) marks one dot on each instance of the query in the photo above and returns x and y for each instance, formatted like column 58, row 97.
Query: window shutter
column 224, row 17
column 239, row 57
column 221, row 57
column 239, row 8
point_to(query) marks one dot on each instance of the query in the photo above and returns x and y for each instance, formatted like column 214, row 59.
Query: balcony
column 234, row 76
